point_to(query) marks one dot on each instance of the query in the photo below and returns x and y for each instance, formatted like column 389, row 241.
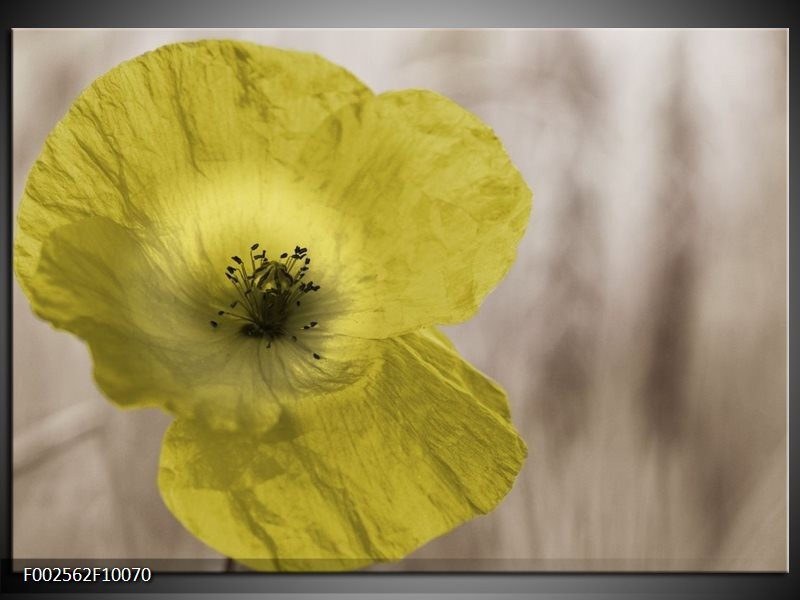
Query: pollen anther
column 267, row 293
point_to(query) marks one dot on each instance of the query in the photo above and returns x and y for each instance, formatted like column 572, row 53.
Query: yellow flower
column 253, row 241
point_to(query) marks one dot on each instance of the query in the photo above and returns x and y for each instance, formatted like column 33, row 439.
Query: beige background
column 641, row 335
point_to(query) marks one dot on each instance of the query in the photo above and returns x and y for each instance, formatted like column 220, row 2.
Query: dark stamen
column 268, row 291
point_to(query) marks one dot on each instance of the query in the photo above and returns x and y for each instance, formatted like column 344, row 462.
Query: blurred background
column 641, row 335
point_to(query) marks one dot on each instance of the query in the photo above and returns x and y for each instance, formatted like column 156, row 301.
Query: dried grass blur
column 641, row 334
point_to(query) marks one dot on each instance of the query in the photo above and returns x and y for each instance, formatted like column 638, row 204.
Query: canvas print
column 401, row 300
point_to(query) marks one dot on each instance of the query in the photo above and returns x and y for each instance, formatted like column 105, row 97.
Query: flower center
column 267, row 291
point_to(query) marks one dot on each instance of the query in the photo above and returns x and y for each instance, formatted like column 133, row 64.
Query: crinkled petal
column 408, row 203
column 138, row 144
column 347, row 479
column 442, row 209
column 147, row 322
column 464, row 375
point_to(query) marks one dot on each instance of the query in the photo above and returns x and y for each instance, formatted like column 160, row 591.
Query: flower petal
column 442, row 209
column 138, row 133
column 147, row 322
column 343, row 480
column 410, row 204
column 464, row 375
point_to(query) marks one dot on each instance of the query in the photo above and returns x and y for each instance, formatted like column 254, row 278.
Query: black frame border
column 410, row 14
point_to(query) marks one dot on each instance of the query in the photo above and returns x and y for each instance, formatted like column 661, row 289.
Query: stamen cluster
column 267, row 293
